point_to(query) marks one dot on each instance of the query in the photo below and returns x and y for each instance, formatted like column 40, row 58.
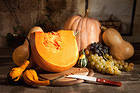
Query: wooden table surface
column 130, row 81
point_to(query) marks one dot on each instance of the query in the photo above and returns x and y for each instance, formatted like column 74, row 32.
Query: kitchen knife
column 94, row 79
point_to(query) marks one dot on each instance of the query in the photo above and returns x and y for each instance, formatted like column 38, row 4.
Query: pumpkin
column 21, row 53
column 54, row 51
column 88, row 30
column 119, row 48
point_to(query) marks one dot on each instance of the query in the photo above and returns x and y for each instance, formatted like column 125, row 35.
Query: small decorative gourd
column 82, row 61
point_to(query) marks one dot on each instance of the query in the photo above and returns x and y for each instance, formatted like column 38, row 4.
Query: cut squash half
column 54, row 51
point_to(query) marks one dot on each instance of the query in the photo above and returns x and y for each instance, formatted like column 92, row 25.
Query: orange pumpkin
column 54, row 51
column 88, row 30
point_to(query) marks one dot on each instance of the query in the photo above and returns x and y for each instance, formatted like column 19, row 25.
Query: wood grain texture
column 32, row 12
column 64, row 81
column 130, row 83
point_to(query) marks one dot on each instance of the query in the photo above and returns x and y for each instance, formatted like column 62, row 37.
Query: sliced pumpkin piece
column 54, row 51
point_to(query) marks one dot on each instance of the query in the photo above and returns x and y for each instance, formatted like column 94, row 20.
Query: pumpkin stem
column 86, row 13
column 86, row 8
column 83, row 51
column 103, row 28
column 76, row 33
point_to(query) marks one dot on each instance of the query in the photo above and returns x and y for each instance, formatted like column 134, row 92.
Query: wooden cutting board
column 64, row 80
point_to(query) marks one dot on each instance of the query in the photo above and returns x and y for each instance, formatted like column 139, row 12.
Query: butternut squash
column 119, row 48
column 54, row 51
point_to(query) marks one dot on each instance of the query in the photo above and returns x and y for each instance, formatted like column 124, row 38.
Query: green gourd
column 82, row 61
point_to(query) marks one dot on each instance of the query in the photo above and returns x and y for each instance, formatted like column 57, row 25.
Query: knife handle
column 106, row 81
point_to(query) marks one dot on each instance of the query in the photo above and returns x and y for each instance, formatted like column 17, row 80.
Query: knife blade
column 94, row 79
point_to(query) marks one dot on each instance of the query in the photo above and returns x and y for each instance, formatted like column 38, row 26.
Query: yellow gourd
column 31, row 78
column 15, row 73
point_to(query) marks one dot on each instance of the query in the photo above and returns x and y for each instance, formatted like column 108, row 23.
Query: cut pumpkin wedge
column 54, row 51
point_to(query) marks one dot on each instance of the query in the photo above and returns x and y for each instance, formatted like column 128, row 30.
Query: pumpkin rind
column 51, row 58
column 88, row 28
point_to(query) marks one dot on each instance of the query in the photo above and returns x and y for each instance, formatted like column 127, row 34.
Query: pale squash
column 54, row 51
column 88, row 30
column 119, row 48
column 21, row 53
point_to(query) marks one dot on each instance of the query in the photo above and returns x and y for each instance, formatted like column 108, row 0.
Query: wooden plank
column 130, row 81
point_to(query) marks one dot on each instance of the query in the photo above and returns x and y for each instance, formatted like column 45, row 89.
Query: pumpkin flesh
column 55, row 51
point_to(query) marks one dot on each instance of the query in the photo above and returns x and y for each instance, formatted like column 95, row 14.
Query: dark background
column 17, row 17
